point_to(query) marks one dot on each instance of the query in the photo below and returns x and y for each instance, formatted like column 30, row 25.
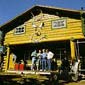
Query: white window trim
column 19, row 32
column 55, row 23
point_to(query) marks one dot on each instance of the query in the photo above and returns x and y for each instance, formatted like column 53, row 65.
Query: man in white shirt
column 49, row 58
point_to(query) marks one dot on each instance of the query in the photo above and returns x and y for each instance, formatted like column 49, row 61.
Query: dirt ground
column 40, row 80
column 81, row 82
column 61, row 82
column 46, row 82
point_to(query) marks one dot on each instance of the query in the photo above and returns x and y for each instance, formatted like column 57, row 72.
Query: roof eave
column 32, row 8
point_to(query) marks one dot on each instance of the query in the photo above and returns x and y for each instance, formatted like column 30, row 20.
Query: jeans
column 43, row 64
column 39, row 62
column 49, row 64
column 33, row 63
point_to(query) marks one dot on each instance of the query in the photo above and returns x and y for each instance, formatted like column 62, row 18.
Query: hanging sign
column 59, row 23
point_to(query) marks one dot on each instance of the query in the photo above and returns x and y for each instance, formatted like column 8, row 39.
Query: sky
column 12, row 8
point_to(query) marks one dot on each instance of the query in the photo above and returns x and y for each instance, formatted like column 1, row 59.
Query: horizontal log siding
column 73, row 29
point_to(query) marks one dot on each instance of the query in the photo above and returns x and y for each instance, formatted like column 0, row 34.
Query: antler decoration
column 39, row 27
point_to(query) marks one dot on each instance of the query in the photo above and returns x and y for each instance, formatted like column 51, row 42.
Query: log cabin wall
column 47, row 32
column 44, row 24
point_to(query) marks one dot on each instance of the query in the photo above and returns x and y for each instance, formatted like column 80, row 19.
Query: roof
column 36, row 10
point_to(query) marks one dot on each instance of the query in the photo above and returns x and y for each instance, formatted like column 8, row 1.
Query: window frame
column 59, row 27
column 18, row 31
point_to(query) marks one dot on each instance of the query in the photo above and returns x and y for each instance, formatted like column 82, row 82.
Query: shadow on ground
column 31, row 81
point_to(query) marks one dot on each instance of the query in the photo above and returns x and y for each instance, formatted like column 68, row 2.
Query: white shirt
column 50, row 55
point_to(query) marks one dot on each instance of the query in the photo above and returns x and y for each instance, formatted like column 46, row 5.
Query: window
column 60, row 23
column 19, row 30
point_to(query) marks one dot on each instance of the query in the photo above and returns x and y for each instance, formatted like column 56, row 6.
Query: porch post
column 6, row 59
column 72, row 47
column 8, row 53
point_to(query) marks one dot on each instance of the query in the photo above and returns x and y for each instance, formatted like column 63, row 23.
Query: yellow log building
column 59, row 30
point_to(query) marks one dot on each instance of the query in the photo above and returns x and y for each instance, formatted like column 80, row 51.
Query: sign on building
column 59, row 23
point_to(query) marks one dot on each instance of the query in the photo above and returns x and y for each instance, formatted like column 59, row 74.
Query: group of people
column 41, row 60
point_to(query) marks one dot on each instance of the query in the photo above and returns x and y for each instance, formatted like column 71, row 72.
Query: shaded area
column 7, row 80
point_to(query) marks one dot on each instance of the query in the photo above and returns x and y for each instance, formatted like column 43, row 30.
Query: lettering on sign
column 60, row 23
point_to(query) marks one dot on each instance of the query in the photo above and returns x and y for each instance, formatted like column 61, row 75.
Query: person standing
column 33, row 55
column 44, row 59
column 39, row 60
column 49, row 58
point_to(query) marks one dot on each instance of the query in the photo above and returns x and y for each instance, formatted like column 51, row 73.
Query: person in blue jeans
column 49, row 59
column 33, row 55
column 39, row 60
column 44, row 55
